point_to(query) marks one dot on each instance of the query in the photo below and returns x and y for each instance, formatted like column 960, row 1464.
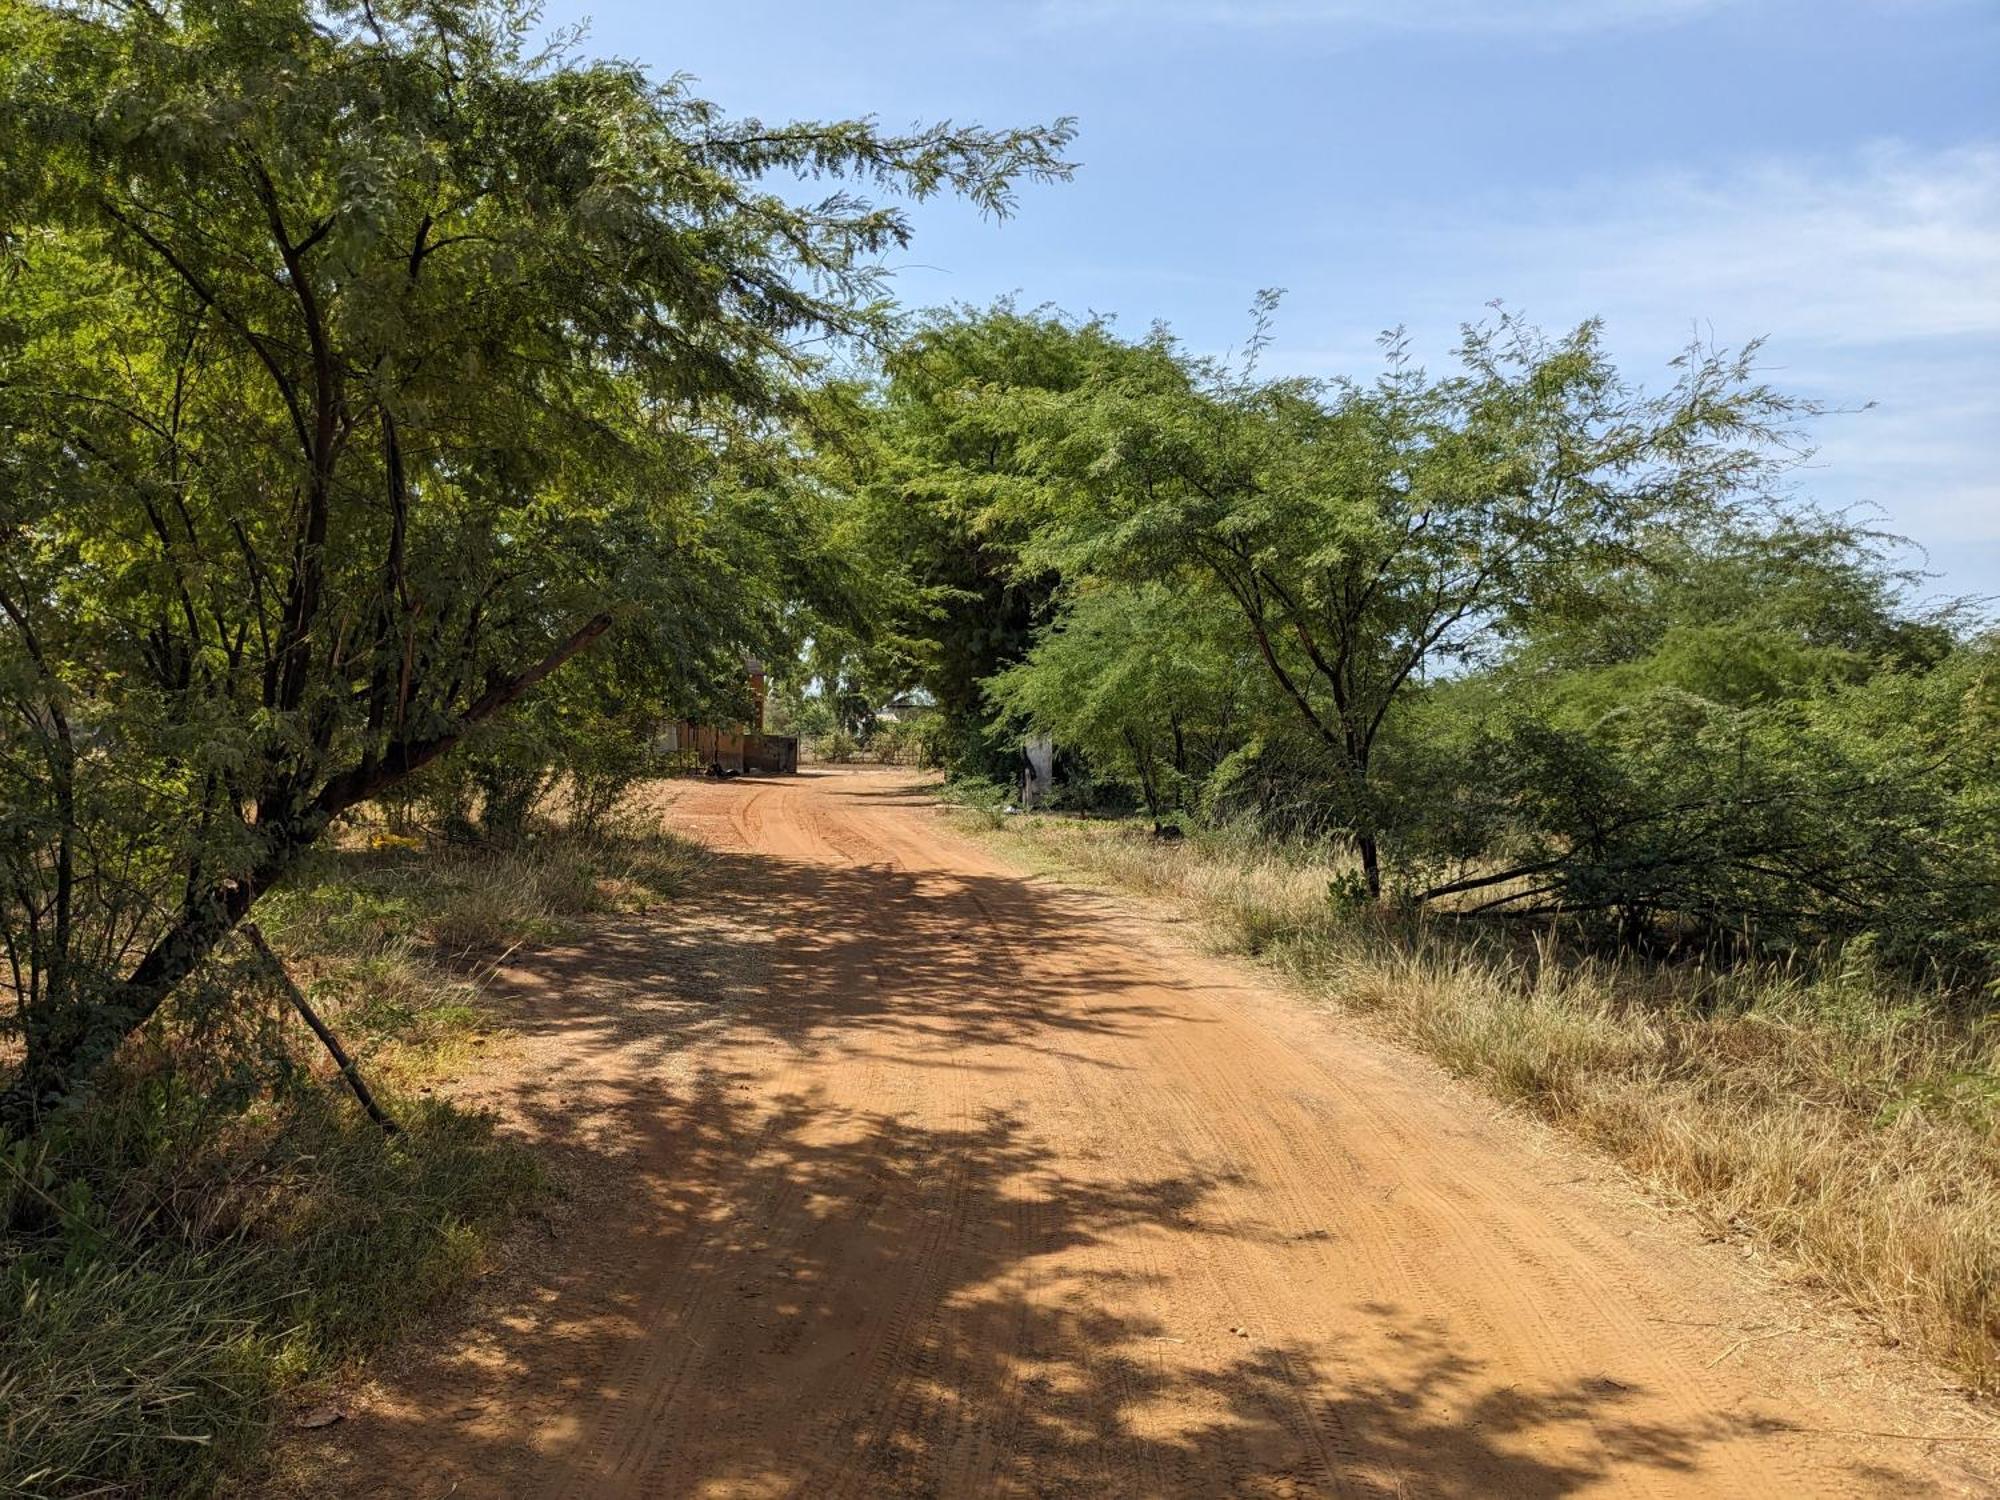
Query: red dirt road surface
column 899, row 1173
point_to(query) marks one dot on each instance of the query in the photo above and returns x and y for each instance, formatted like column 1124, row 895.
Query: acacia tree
column 363, row 365
column 1140, row 680
column 937, row 472
column 1369, row 534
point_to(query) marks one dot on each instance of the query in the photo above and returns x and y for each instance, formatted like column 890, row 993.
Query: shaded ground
column 902, row 1175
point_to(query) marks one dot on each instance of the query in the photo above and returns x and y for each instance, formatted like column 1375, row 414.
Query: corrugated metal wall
column 736, row 753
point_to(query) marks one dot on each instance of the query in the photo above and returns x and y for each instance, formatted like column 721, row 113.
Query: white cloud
column 1875, row 276
column 1559, row 17
column 1890, row 245
column 1887, row 247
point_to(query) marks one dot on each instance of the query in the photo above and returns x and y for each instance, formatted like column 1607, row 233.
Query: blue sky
column 1821, row 173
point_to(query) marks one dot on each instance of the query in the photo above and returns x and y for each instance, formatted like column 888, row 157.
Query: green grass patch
column 169, row 1275
column 219, row 1226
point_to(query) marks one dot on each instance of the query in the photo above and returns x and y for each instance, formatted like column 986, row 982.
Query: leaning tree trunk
column 73, row 1055
column 289, row 822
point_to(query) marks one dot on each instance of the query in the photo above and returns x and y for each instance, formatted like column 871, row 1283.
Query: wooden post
column 338, row 1053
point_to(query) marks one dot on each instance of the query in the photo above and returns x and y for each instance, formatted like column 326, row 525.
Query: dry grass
column 1838, row 1117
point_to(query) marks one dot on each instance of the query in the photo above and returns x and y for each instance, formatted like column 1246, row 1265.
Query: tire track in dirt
column 972, row 1184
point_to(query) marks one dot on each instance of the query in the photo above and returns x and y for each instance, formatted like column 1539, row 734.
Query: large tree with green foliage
column 363, row 364
column 1370, row 535
column 940, row 475
column 1146, row 682
column 1534, row 639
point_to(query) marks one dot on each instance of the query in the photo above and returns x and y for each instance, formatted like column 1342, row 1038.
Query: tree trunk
column 1371, row 864
column 77, row 1052
column 289, row 823
column 1144, row 763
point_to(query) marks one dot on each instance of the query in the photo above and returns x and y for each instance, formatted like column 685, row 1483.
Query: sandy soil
column 899, row 1174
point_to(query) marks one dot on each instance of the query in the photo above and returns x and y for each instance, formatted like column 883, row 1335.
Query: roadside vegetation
column 1534, row 714
column 1823, row 1108
column 401, row 416
column 223, row 1230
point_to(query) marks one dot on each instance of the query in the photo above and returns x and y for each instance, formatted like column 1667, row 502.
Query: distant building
column 733, row 750
column 908, row 705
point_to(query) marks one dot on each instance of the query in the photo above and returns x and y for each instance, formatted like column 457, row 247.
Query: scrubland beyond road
column 897, row 1173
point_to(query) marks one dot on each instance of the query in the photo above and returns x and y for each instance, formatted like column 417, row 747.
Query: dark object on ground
column 338, row 1053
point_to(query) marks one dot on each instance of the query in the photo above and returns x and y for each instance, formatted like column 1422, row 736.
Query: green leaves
column 1144, row 682
column 1533, row 639
column 1367, row 535
column 363, row 366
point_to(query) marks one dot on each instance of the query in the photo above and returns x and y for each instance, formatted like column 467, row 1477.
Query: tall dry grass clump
column 1830, row 1112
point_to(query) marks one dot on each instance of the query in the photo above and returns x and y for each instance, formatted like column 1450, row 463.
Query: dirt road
column 899, row 1174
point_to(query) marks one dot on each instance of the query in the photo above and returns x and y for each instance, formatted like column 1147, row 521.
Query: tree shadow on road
column 769, row 1292
column 924, row 960
column 821, row 1302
